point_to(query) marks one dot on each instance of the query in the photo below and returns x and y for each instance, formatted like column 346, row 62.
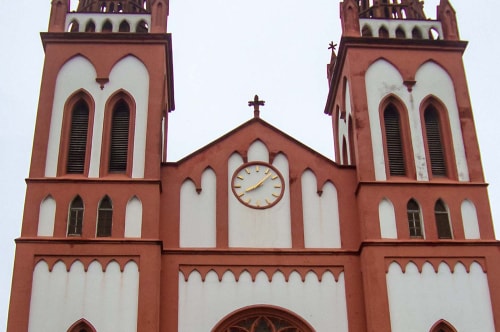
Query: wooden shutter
column 434, row 142
column 119, row 138
column 442, row 221
column 394, row 142
column 104, row 218
column 75, row 218
column 78, row 139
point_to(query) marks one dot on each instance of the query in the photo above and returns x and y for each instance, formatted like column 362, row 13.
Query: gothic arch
column 442, row 326
column 395, row 106
column 82, row 325
column 79, row 97
column 252, row 317
column 432, row 104
column 120, row 97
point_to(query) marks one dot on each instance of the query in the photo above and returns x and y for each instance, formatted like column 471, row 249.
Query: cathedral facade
column 255, row 231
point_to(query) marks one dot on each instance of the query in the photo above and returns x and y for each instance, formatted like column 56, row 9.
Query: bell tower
column 402, row 116
column 89, row 229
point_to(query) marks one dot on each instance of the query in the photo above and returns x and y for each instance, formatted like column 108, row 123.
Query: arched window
column 107, row 26
column 414, row 220
column 262, row 319
column 393, row 139
column 400, row 33
column 81, row 325
column 442, row 220
column 416, row 33
column 104, row 217
column 142, row 26
column 383, row 33
column 442, row 326
column 75, row 217
column 366, row 31
column 434, row 142
column 118, row 154
column 124, row 27
column 78, row 138
column 90, row 27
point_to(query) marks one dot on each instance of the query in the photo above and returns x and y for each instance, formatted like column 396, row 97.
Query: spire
column 446, row 14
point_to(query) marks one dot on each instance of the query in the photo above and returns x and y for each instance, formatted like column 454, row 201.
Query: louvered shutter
column 119, row 138
column 393, row 140
column 434, row 142
column 78, row 139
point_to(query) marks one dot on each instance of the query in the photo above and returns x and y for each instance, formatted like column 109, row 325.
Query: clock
column 258, row 185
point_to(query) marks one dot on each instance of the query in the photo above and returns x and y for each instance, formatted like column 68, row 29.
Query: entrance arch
column 263, row 318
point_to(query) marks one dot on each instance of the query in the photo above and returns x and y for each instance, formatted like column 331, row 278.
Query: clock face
column 258, row 185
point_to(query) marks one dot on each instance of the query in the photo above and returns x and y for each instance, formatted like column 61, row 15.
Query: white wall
column 321, row 213
column 107, row 299
column 78, row 73
column 198, row 212
column 418, row 300
column 254, row 228
column 321, row 304
column 383, row 79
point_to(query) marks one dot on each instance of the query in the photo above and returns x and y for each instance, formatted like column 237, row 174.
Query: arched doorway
column 262, row 318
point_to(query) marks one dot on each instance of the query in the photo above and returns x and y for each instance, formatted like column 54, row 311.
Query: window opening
column 383, row 33
column 142, row 26
column 394, row 144
column 107, row 27
column 104, row 218
column 119, row 138
column 400, row 33
column 442, row 220
column 434, row 142
column 75, row 218
column 124, row 27
column 78, row 138
column 416, row 33
column 414, row 222
column 90, row 27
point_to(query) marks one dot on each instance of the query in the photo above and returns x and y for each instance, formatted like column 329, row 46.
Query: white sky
column 225, row 51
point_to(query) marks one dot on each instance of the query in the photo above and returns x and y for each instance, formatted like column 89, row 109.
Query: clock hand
column 258, row 184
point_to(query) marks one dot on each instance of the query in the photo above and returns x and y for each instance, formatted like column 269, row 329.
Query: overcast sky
column 225, row 51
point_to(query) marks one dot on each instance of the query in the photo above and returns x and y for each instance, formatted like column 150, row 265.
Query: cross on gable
column 256, row 103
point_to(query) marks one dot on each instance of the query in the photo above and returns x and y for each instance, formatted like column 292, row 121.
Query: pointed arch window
column 442, row 326
column 81, row 325
column 118, row 154
column 262, row 318
column 442, row 220
column 414, row 219
column 434, row 142
column 394, row 142
column 104, row 217
column 78, row 138
column 75, row 217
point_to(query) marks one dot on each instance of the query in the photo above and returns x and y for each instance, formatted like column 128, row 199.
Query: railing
column 113, row 6
column 392, row 9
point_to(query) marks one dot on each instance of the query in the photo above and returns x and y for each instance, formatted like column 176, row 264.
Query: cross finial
column 332, row 46
column 256, row 103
